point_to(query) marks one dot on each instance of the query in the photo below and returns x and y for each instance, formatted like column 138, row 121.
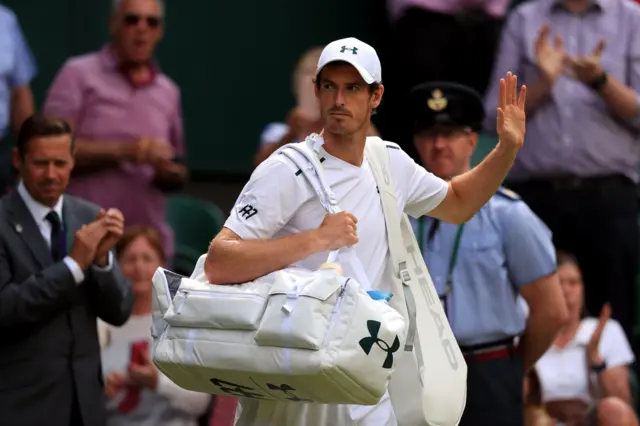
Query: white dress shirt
column 39, row 212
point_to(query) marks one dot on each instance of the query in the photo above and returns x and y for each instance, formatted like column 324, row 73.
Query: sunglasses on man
column 132, row 20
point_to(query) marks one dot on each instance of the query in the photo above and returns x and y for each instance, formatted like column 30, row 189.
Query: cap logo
column 437, row 102
column 353, row 50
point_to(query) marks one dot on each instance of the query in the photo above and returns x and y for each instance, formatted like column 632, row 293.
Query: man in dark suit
column 57, row 275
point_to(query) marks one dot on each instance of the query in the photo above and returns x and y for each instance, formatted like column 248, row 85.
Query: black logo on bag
column 248, row 211
column 367, row 343
column 288, row 391
column 235, row 389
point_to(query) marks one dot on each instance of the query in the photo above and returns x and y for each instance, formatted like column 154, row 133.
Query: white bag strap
column 380, row 164
column 305, row 158
column 442, row 368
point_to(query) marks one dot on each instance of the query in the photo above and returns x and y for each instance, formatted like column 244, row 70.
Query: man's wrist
column 102, row 260
column 598, row 83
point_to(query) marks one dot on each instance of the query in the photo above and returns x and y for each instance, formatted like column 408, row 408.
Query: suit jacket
column 48, row 331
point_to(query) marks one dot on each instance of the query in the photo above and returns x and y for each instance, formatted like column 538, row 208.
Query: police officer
column 482, row 267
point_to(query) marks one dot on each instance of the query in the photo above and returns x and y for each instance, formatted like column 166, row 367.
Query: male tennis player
column 278, row 220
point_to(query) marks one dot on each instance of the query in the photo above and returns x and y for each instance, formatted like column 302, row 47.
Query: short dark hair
column 39, row 125
column 564, row 257
column 148, row 233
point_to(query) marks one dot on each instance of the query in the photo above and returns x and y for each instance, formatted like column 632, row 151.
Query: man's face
column 345, row 100
column 46, row 167
column 446, row 152
column 136, row 29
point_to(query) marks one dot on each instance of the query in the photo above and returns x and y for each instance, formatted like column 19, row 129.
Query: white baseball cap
column 355, row 52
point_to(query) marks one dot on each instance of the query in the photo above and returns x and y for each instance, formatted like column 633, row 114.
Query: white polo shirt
column 564, row 372
column 278, row 201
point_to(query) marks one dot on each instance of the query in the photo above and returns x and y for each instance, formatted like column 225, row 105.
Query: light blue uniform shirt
column 504, row 247
column 17, row 66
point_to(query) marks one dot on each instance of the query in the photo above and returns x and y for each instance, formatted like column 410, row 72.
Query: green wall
column 232, row 59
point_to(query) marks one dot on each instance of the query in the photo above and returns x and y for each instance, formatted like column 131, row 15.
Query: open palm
column 511, row 120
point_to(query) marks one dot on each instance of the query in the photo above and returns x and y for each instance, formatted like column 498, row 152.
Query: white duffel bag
column 293, row 335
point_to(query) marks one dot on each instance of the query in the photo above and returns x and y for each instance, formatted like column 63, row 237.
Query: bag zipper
column 185, row 293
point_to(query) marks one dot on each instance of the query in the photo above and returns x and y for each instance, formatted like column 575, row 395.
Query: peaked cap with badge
column 445, row 104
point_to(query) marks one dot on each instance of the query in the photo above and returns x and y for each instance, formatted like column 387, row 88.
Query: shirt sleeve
column 270, row 198
column 176, row 130
column 421, row 190
column 527, row 244
column 64, row 98
column 507, row 59
column 24, row 69
column 614, row 346
column 634, row 60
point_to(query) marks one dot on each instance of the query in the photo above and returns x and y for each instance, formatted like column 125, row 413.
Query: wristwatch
column 599, row 82
column 598, row 368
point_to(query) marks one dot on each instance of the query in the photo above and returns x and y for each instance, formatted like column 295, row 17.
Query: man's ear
column 377, row 96
column 16, row 160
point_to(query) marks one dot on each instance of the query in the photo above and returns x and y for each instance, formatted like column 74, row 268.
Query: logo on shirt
column 248, row 211
column 353, row 50
column 367, row 343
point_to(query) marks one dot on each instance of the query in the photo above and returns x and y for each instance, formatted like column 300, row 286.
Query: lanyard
column 454, row 252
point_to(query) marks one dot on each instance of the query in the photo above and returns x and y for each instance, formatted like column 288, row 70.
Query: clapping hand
column 550, row 58
column 587, row 68
column 511, row 119
column 593, row 354
column 144, row 375
column 113, row 221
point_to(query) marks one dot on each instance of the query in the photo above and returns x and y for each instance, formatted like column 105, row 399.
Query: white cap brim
column 368, row 78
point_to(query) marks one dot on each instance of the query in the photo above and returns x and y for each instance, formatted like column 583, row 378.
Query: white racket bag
column 293, row 335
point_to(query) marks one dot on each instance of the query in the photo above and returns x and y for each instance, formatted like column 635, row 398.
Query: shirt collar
column 38, row 210
column 599, row 5
column 110, row 62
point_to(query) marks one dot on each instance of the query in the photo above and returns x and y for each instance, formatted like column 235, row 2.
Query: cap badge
column 353, row 50
column 437, row 102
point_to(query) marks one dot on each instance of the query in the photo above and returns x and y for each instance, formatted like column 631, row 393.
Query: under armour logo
column 248, row 211
column 367, row 343
column 353, row 50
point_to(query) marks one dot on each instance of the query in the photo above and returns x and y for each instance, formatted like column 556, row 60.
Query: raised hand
column 550, row 59
column 593, row 354
column 511, row 118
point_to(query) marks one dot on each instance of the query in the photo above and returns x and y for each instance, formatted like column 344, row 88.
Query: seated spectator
column 584, row 376
column 535, row 414
column 138, row 393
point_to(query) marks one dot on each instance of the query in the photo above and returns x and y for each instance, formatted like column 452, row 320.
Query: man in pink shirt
column 127, row 119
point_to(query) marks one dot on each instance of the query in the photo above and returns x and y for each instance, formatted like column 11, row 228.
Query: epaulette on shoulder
column 507, row 193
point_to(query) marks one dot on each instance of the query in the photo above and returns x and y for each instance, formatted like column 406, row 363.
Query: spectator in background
column 305, row 118
column 57, row 274
column 302, row 120
column 17, row 69
column 436, row 40
column 127, row 119
column 578, row 169
column 151, row 398
column 584, row 376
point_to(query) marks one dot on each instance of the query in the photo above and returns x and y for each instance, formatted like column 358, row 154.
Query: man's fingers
column 100, row 214
column 502, row 95
column 352, row 217
column 523, row 97
column 557, row 42
column 597, row 51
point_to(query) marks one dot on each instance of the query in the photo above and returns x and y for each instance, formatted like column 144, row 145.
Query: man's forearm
column 21, row 107
column 538, row 93
column 234, row 261
column 91, row 152
column 473, row 189
column 538, row 337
